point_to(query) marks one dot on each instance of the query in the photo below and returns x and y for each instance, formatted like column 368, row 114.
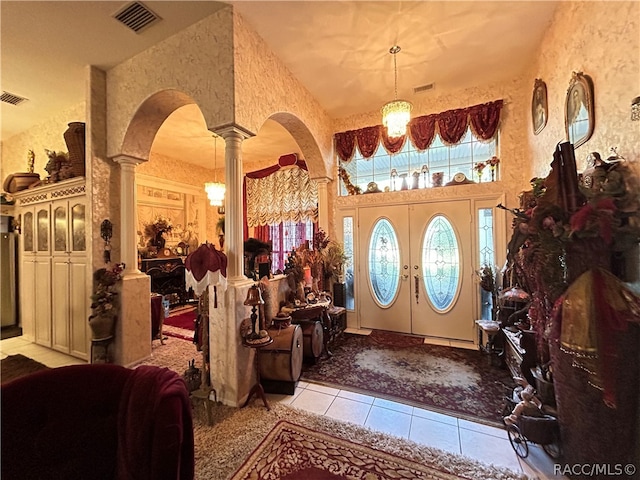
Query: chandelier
column 396, row 114
column 215, row 190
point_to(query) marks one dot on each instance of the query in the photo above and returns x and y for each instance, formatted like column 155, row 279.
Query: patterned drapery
column 285, row 195
column 451, row 125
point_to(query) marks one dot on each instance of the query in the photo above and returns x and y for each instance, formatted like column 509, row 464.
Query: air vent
column 136, row 16
column 7, row 97
column 424, row 88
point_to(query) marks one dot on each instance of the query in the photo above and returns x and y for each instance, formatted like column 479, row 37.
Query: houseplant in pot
column 104, row 301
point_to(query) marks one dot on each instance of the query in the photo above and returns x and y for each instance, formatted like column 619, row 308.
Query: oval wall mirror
column 578, row 113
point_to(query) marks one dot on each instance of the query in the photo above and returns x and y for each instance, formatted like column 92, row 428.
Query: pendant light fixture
column 396, row 114
column 215, row 190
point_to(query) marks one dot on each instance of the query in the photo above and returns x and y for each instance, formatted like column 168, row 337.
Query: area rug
column 180, row 323
column 255, row 443
column 227, row 446
column 16, row 366
column 453, row 381
column 291, row 451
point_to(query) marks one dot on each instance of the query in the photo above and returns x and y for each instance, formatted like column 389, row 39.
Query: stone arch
column 307, row 142
column 148, row 118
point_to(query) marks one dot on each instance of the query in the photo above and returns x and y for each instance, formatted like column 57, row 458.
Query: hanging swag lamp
column 215, row 190
column 396, row 114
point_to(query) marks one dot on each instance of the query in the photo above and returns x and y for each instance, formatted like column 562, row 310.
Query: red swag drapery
column 451, row 125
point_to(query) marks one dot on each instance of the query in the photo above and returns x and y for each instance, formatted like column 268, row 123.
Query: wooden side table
column 257, row 389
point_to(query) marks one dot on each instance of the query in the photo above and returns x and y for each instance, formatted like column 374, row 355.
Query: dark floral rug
column 454, row 381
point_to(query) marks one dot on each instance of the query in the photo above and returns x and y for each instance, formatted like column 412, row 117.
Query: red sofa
column 97, row 422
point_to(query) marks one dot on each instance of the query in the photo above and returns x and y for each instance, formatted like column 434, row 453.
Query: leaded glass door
column 415, row 269
column 383, row 269
column 441, row 269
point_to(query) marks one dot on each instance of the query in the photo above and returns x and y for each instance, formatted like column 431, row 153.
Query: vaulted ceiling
column 339, row 50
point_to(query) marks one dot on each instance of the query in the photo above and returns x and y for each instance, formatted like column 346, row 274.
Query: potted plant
column 104, row 301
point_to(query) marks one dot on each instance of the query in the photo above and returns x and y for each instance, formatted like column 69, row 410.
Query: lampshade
column 396, row 114
column 215, row 193
column 254, row 296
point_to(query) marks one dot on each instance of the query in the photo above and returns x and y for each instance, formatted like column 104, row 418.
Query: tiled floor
column 484, row 443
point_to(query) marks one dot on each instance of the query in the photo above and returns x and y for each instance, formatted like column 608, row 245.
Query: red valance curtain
column 451, row 125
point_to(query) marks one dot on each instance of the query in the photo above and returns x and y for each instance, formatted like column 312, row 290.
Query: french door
column 415, row 269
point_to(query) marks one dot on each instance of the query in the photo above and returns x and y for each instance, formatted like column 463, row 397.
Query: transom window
column 409, row 164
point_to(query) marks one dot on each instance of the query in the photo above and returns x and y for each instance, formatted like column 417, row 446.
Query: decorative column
column 234, row 234
column 133, row 327
column 323, row 203
column 128, row 213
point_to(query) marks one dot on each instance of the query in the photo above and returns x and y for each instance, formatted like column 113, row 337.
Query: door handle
column 416, row 277
column 405, row 276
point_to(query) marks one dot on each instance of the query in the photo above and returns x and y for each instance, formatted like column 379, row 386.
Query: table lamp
column 254, row 298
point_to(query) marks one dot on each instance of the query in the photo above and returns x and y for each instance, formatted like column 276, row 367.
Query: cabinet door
column 41, row 295
column 42, row 230
column 60, row 227
column 28, row 231
column 27, row 300
column 79, row 306
column 60, row 299
column 77, row 226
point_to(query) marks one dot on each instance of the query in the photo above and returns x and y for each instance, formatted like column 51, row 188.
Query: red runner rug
column 291, row 452
column 181, row 323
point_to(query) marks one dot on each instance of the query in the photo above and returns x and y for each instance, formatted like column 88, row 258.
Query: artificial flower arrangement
column 103, row 299
column 159, row 226
column 479, row 168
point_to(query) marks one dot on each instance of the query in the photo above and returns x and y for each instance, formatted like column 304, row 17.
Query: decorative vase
column 102, row 326
column 437, row 179
column 405, row 184
column 74, row 137
column 159, row 241
column 221, row 240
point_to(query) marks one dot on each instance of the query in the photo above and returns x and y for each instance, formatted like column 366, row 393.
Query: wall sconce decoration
column 106, row 232
column 635, row 109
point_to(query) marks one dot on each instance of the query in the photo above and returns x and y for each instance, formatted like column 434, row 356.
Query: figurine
column 529, row 404
column 31, row 158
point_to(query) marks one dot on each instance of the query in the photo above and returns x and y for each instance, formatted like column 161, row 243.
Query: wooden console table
column 520, row 353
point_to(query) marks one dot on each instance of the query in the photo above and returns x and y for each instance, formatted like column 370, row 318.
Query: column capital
column 231, row 130
column 322, row 180
column 128, row 160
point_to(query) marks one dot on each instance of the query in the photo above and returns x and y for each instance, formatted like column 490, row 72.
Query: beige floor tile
column 540, row 465
column 482, row 428
column 435, row 416
column 311, row 401
column 489, row 449
column 349, row 410
column 323, row 389
column 302, row 384
column 389, row 421
column 437, row 341
column 435, row 434
column 358, row 397
column 396, row 406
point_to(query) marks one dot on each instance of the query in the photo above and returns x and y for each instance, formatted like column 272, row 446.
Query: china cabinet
column 55, row 276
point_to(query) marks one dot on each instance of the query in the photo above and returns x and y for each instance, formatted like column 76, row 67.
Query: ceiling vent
column 424, row 88
column 7, row 97
column 136, row 16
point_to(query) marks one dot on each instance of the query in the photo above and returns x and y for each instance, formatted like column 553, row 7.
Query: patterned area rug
column 454, row 381
column 291, row 451
column 15, row 366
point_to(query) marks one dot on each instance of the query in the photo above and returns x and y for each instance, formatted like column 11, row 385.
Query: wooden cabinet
column 55, row 273
column 167, row 278
column 520, row 354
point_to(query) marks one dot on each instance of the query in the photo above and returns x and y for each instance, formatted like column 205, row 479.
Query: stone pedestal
column 133, row 329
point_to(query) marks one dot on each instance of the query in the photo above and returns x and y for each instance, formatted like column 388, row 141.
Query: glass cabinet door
column 60, row 229
column 78, row 230
column 43, row 230
column 27, row 231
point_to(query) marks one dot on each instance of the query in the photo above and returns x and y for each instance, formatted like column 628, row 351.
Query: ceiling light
column 396, row 114
column 215, row 190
